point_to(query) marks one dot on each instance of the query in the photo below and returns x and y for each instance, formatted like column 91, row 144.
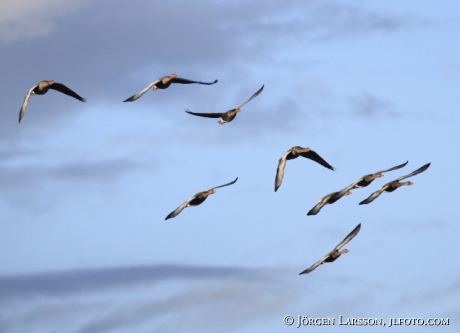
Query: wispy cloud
column 204, row 297
column 88, row 280
column 28, row 19
column 369, row 106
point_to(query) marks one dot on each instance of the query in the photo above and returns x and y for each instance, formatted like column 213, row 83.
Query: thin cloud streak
column 89, row 280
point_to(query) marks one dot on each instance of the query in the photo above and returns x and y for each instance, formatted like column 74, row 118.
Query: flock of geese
column 43, row 87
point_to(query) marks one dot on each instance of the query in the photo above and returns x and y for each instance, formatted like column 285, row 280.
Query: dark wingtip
column 215, row 81
column 129, row 99
column 83, row 100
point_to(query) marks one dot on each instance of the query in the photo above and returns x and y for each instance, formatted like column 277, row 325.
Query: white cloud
column 29, row 18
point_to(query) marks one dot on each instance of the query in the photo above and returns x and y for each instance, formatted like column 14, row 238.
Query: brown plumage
column 335, row 253
column 42, row 88
column 164, row 83
column 197, row 199
column 295, row 152
column 367, row 179
column 394, row 185
column 228, row 116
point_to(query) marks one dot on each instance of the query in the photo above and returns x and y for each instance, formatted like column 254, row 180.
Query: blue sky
column 85, row 187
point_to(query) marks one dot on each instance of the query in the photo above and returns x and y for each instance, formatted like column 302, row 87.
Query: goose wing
column 280, row 170
column 253, row 96
column 349, row 237
column 316, row 264
column 413, row 173
column 142, row 92
column 233, row 182
column 185, row 81
column 318, row 159
column 393, row 168
column 179, row 209
column 207, row 115
column 342, row 192
column 374, row 195
column 26, row 102
column 65, row 90
column 315, row 210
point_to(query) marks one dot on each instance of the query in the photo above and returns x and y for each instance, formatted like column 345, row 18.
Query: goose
column 334, row 254
column 393, row 185
column 367, row 179
column 42, row 88
column 164, row 83
column 228, row 116
column 295, row 152
column 197, row 199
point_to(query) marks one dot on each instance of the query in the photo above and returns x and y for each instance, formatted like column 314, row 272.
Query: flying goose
column 228, row 116
column 42, row 88
column 367, row 179
column 393, row 185
column 164, row 83
column 334, row 254
column 295, row 152
column 197, row 199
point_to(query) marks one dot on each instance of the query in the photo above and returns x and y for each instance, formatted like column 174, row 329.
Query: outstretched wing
column 25, row 103
column 318, row 159
column 185, row 81
column 315, row 210
column 142, row 92
column 350, row 236
column 179, row 209
column 253, row 96
column 233, row 182
column 65, row 90
column 393, row 168
column 316, row 264
column 342, row 192
column 207, row 115
column 374, row 195
column 413, row 173
column 280, row 170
